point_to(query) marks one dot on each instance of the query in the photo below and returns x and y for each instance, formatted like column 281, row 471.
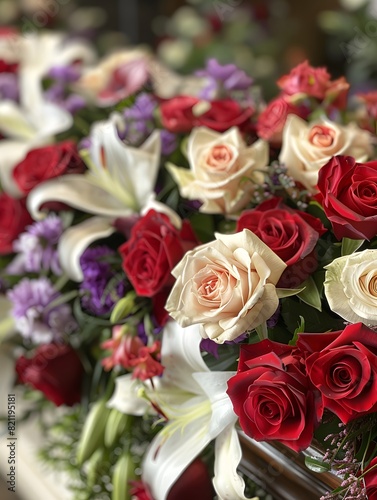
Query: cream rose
column 227, row 286
column 351, row 287
column 309, row 146
column 223, row 170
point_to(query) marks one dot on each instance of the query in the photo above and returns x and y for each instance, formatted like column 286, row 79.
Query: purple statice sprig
column 138, row 120
column 39, row 315
column 223, row 79
column 36, row 248
column 102, row 285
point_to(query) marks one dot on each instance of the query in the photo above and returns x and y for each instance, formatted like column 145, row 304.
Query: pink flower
column 304, row 79
column 128, row 351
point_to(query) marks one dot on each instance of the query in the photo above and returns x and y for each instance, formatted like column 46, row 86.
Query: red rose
column 348, row 194
column 14, row 217
column 304, row 79
column 195, row 482
column 370, row 479
column 154, row 248
column 291, row 234
column 224, row 114
column 272, row 396
column 177, row 115
column 47, row 162
column 343, row 367
column 56, row 370
column 272, row 119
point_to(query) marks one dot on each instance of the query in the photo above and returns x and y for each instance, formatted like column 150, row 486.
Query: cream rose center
column 214, row 286
column 368, row 284
column 219, row 157
column 322, row 136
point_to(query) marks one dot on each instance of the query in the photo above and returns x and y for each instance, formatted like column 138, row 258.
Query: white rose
column 227, row 286
column 351, row 287
column 224, row 171
column 309, row 146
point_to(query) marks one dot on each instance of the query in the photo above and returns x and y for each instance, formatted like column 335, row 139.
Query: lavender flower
column 139, row 119
column 64, row 74
column 100, row 294
column 220, row 77
column 168, row 142
column 9, row 86
column 37, row 247
column 35, row 316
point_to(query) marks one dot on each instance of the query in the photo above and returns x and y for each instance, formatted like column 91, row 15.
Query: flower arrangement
column 180, row 261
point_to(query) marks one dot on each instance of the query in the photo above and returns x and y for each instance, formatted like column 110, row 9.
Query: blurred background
column 264, row 37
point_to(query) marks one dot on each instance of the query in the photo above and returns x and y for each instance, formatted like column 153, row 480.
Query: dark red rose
column 348, row 195
column 272, row 119
column 370, row 479
column 177, row 115
column 291, row 234
column 195, row 482
column 7, row 67
column 14, row 217
column 343, row 367
column 55, row 370
column 272, row 396
column 154, row 248
column 47, row 162
column 224, row 114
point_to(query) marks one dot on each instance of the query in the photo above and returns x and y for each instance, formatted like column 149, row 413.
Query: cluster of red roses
column 280, row 392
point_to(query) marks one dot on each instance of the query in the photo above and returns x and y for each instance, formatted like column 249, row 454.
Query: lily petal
column 11, row 153
column 126, row 398
column 77, row 238
column 13, row 121
column 214, row 385
column 181, row 356
column 79, row 192
column 168, row 457
column 228, row 484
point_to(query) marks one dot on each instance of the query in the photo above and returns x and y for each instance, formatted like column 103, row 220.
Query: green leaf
column 282, row 293
column 316, row 465
column 310, row 294
column 350, row 246
column 299, row 329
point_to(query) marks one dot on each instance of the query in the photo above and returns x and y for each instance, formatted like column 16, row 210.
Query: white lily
column 34, row 121
column 120, row 182
column 198, row 410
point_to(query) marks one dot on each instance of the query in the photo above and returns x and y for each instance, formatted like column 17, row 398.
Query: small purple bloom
column 168, row 142
column 35, row 316
column 142, row 109
column 9, row 86
column 100, row 286
column 227, row 76
column 64, row 74
column 37, row 247
column 73, row 103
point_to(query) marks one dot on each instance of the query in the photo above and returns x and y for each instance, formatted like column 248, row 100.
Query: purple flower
column 9, row 86
column 101, row 287
column 36, row 318
column 168, row 142
column 64, row 74
column 138, row 120
column 226, row 76
column 142, row 109
column 37, row 247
